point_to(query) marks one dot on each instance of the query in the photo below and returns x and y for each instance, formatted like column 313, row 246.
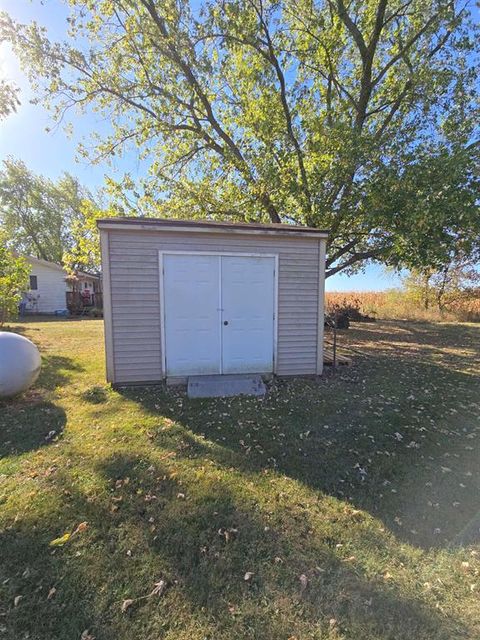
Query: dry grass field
column 397, row 305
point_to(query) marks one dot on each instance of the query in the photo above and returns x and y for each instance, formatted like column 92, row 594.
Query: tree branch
column 409, row 44
column 191, row 79
column 286, row 109
column 354, row 258
column 352, row 28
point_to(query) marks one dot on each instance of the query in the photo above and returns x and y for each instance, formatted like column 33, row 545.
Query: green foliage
column 429, row 205
column 8, row 95
column 84, row 250
column 8, row 98
column 43, row 218
column 28, row 214
column 360, row 118
column 13, row 281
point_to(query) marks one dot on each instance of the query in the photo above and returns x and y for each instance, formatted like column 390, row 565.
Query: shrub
column 13, row 282
column 342, row 310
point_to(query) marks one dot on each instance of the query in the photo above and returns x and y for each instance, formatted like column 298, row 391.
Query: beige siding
column 135, row 296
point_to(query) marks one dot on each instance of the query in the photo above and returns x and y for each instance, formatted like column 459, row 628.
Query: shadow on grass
column 28, row 426
column 19, row 328
column 146, row 525
column 57, row 371
column 391, row 434
column 31, row 420
column 95, row 395
column 447, row 344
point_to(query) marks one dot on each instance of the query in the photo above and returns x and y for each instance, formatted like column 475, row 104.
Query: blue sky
column 23, row 135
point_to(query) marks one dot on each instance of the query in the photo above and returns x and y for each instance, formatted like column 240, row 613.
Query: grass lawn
column 344, row 509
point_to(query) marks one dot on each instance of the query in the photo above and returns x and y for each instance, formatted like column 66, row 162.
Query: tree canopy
column 356, row 117
column 44, row 218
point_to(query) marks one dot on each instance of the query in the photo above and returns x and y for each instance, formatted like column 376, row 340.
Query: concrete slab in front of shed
column 225, row 386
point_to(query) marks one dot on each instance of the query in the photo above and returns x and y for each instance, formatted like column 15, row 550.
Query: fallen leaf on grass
column 159, row 588
column 228, row 534
column 16, row 600
column 126, row 604
column 355, row 514
column 81, row 527
column 248, row 576
column 86, row 635
column 59, row 542
column 51, row 593
column 303, row 582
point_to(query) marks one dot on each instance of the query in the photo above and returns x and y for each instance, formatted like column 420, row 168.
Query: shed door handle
column 225, row 322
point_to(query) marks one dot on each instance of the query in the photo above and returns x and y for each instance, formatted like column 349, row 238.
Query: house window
column 33, row 283
column 86, row 285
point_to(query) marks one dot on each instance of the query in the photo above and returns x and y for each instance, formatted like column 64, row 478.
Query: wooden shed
column 185, row 298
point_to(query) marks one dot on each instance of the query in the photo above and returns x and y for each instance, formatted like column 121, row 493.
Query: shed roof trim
column 166, row 224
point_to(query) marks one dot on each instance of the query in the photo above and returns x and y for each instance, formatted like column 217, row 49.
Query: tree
column 457, row 279
column 84, row 253
column 13, row 281
column 38, row 215
column 283, row 111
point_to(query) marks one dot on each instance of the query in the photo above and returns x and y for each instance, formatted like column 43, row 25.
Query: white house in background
column 48, row 288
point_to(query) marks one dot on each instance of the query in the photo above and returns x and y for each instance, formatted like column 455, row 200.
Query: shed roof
column 172, row 224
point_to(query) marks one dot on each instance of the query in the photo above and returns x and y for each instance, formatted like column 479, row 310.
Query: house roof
column 85, row 274
column 55, row 265
column 171, row 224
column 45, row 263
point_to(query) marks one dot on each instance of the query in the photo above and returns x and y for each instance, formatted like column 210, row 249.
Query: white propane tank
column 20, row 363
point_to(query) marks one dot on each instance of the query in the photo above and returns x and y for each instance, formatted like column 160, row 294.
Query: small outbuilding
column 187, row 298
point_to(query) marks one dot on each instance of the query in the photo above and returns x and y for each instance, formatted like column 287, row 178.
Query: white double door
column 218, row 313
